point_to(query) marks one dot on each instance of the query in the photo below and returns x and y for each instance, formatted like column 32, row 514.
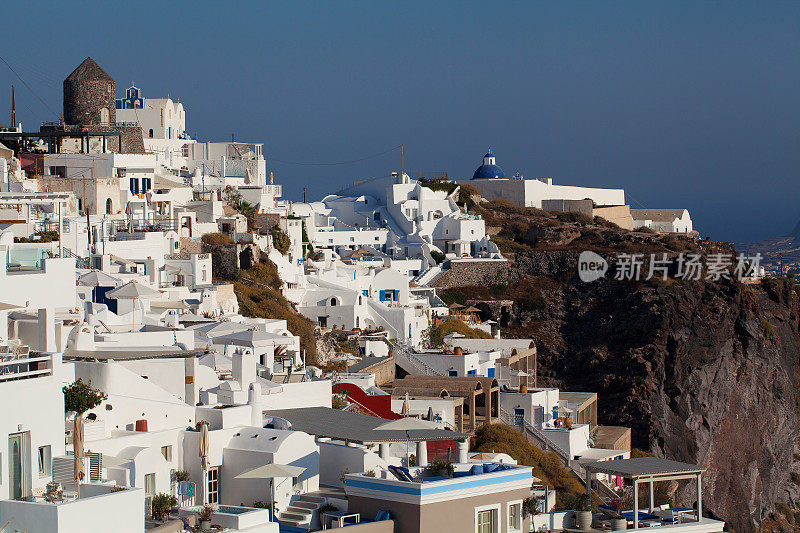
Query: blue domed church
column 489, row 169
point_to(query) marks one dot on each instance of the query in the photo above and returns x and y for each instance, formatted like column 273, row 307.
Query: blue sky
column 684, row 104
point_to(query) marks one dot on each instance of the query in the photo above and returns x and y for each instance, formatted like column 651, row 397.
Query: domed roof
column 488, row 172
column 489, row 169
column 89, row 70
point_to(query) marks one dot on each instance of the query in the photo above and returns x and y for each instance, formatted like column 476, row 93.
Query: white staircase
column 302, row 511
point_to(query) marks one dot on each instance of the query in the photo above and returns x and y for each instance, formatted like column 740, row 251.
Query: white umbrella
column 204, row 445
column 77, row 446
column 271, row 471
column 133, row 291
column 96, row 278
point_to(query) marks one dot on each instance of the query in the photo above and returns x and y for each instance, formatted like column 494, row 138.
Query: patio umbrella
column 133, row 291
column 271, row 471
column 204, row 445
column 77, row 446
column 96, row 278
column 404, row 410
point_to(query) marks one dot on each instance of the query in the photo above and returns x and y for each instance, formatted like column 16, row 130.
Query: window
column 213, row 485
column 109, row 206
column 151, row 133
column 297, row 484
column 166, row 451
column 486, row 521
column 146, row 184
column 204, row 274
column 45, row 461
column 150, row 485
column 515, row 517
column 134, row 186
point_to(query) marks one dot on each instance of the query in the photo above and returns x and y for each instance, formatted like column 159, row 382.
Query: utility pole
column 204, row 182
column 304, row 195
column 402, row 159
column 13, row 110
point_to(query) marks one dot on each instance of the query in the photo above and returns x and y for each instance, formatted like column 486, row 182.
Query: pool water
column 231, row 509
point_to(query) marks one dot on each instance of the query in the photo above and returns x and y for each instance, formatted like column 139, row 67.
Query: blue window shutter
column 490, row 373
column 383, row 295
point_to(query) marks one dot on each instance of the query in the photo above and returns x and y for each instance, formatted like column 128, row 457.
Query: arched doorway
column 105, row 117
column 109, row 206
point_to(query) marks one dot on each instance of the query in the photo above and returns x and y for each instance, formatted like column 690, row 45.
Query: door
column 18, row 466
column 519, row 417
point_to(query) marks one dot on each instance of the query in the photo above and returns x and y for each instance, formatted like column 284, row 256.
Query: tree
column 81, row 397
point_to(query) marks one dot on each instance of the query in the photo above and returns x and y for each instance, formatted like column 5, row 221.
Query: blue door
column 490, row 372
column 519, row 417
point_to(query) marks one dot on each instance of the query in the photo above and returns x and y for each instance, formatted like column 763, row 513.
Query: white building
column 492, row 183
column 663, row 220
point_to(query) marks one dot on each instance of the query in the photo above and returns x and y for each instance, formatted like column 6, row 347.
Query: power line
column 335, row 163
column 28, row 86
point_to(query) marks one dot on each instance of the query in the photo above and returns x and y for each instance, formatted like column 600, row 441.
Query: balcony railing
column 15, row 367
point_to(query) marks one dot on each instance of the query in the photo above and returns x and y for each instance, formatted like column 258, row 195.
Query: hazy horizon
column 681, row 104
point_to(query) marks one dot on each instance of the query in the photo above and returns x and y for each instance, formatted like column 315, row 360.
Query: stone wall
column 473, row 272
column 132, row 141
column 83, row 100
column 228, row 259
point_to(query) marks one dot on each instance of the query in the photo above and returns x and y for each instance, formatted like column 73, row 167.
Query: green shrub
column 280, row 241
column 438, row 256
column 573, row 216
column 81, row 397
column 436, row 466
column 161, row 505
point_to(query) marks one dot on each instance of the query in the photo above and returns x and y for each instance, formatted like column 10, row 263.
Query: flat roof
column 354, row 427
column 644, row 467
column 131, row 355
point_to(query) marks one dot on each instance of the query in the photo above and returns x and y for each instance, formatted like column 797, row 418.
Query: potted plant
column 618, row 522
column 441, row 467
column 583, row 511
column 204, row 517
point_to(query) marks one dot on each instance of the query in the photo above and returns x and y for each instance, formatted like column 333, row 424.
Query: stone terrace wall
column 473, row 272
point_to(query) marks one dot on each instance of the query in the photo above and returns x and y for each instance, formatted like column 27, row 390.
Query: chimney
column 244, row 369
column 458, row 351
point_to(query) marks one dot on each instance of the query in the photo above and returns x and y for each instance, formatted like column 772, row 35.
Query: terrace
column 92, row 508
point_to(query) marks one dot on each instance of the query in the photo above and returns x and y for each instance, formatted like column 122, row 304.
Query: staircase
column 300, row 513
column 411, row 363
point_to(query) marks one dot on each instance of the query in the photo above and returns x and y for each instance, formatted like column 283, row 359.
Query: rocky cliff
column 702, row 371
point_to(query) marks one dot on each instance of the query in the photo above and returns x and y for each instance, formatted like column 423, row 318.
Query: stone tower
column 89, row 95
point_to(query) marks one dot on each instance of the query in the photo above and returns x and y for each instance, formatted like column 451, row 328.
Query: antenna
column 13, row 109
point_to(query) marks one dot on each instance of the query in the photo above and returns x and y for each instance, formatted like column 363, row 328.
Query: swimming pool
column 231, row 509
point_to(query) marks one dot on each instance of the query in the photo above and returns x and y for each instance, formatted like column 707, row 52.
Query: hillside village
column 183, row 349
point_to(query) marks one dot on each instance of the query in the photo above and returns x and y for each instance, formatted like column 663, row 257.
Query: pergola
column 647, row 470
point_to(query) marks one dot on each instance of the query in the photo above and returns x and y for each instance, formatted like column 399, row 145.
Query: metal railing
column 14, row 367
column 528, row 429
column 406, row 355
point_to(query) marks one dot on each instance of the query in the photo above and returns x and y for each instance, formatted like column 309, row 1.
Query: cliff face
column 703, row 372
